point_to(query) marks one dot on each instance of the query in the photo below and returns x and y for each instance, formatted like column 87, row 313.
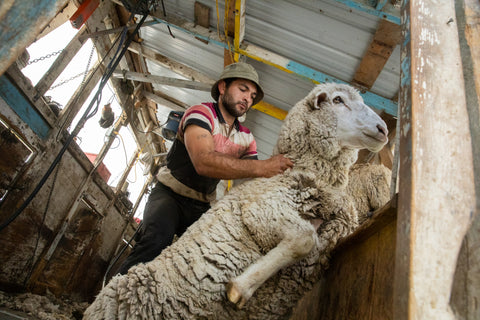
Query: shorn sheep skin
column 261, row 247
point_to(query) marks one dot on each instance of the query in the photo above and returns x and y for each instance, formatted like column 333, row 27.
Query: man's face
column 238, row 97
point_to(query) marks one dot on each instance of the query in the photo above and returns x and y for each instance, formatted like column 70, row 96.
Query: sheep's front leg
column 294, row 246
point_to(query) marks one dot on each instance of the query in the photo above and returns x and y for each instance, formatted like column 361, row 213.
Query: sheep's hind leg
column 290, row 249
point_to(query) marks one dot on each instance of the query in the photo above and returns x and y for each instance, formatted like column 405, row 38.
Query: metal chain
column 84, row 74
column 88, row 63
column 45, row 57
column 69, row 79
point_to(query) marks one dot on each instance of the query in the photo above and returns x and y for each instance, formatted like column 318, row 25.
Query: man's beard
column 230, row 105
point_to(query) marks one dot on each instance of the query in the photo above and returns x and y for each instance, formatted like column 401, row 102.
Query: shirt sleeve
column 199, row 115
column 251, row 152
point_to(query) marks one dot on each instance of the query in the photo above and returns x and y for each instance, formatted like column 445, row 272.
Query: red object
column 83, row 12
column 102, row 169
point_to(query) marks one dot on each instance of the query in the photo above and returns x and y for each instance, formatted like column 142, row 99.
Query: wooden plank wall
column 466, row 287
column 64, row 240
column 359, row 282
column 30, row 257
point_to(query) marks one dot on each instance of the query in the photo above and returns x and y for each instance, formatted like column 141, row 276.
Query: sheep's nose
column 382, row 131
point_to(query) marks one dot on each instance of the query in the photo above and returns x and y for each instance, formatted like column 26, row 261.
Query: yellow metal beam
column 271, row 110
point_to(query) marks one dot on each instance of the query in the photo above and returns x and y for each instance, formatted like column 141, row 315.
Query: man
column 210, row 145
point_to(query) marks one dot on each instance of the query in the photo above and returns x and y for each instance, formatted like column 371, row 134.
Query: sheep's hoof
column 235, row 296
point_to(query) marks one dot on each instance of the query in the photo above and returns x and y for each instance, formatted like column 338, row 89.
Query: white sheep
column 369, row 188
column 259, row 249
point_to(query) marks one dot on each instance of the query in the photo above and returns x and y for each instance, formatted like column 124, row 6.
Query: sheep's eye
column 338, row 100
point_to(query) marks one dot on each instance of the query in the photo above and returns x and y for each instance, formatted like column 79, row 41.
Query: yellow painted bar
column 258, row 58
column 271, row 110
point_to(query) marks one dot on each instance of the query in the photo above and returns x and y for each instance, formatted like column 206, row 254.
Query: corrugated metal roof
column 323, row 35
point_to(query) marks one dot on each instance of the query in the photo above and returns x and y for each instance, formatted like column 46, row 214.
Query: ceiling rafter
column 148, row 78
column 170, row 64
column 380, row 8
column 386, row 38
column 377, row 55
column 273, row 59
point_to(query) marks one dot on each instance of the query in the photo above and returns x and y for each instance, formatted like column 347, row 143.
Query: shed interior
column 65, row 218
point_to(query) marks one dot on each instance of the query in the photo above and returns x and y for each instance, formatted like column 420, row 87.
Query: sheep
column 266, row 242
column 369, row 188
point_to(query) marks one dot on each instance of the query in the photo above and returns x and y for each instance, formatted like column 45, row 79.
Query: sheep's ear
column 321, row 98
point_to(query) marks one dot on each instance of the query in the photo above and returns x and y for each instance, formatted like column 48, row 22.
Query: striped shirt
column 179, row 174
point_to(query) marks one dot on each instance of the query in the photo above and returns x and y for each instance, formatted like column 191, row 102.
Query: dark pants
column 166, row 214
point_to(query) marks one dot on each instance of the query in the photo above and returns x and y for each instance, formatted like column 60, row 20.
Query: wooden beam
column 386, row 11
column 437, row 199
column 358, row 284
column 471, row 66
column 81, row 95
column 166, row 62
column 385, row 40
column 61, row 17
column 229, row 55
column 466, row 291
column 180, row 83
column 22, row 97
column 160, row 99
column 240, row 14
column 60, row 63
column 201, row 16
column 105, row 32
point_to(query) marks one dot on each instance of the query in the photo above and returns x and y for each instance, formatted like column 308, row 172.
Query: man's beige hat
column 239, row 70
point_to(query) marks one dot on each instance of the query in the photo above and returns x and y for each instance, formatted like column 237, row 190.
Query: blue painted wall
column 22, row 107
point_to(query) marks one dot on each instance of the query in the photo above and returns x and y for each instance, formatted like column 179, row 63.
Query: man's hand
column 207, row 162
column 276, row 165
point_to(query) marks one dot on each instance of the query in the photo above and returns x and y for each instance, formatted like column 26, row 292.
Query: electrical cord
column 62, row 126
column 87, row 115
column 120, row 254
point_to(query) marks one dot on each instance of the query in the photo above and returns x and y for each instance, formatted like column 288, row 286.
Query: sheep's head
column 358, row 126
column 330, row 118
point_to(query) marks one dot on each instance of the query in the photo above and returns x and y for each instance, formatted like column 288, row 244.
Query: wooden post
column 437, row 194
column 229, row 27
column 466, row 290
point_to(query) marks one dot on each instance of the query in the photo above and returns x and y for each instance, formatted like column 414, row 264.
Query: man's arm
column 207, row 162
